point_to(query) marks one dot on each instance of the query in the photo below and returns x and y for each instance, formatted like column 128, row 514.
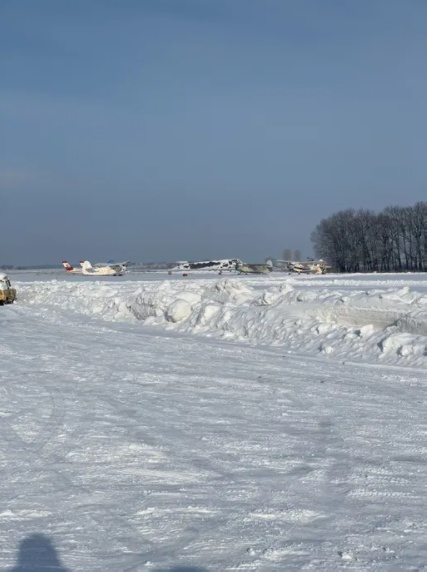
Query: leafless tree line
column 287, row 254
column 394, row 240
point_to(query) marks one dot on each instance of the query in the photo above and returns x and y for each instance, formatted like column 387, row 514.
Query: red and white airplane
column 70, row 269
column 98, row 270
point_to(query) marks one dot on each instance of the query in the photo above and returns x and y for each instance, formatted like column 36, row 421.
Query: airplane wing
column 116, row 267
column 112, row 264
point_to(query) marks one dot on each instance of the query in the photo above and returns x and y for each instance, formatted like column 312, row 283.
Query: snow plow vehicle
column 7, row 293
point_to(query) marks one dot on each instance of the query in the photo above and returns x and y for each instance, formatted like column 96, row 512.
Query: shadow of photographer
column 38, row 554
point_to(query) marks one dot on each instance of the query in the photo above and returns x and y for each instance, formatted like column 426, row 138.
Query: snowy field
column 207, row 423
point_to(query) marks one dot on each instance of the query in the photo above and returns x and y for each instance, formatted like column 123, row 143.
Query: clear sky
column 193, row 129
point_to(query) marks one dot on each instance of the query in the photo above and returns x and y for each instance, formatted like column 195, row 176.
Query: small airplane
column 244, row 268
column 219, row 264
column 116, row 269
column 307, row 267
column 70, row 269
column 106, row 270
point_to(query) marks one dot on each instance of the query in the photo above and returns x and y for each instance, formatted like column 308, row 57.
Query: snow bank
column 382, row 324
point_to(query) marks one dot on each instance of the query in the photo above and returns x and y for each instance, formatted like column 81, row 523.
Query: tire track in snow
column 278, row 473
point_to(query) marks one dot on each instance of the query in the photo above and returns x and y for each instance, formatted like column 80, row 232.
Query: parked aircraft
column 305, row 267
column 109, row 270
column 223, row 264
column 70, row 269
column 244, row 268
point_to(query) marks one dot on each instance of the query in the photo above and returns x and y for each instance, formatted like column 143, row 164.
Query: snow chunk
column 207, row 312
column 326, row 349
column 178, row 311
column 403, row 345
column 228, row 290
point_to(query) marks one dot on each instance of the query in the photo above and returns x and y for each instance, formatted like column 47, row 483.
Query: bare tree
column 364, row 241
column 287, row 254
column 297, row 254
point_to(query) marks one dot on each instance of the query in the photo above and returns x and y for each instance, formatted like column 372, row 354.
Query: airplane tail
column 86, row 265
column 67, row 266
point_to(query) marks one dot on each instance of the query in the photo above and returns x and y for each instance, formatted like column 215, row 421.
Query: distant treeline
column 394, row 240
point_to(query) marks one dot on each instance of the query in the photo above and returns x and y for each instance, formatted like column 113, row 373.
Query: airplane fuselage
column 89, row 270
column 255, row 269
column 222, row 264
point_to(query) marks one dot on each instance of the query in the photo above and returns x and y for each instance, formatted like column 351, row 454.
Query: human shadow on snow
column 37, row 553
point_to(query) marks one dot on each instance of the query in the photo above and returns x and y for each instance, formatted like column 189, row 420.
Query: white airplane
column 306, row 267
column 262, row 268
column 70, row 269
column 109, row 270
column 222, row 264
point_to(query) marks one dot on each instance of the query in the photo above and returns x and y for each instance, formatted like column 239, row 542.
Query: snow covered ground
column 155, row 422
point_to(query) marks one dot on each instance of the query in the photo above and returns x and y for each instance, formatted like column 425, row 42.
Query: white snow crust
column 155, row 423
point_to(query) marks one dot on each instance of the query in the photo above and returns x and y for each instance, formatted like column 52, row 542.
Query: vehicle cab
column 7, row 293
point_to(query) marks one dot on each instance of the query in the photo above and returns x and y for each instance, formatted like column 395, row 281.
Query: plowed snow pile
column 382, row 324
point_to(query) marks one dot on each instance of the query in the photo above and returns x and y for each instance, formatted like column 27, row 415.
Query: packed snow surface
column 209, row 424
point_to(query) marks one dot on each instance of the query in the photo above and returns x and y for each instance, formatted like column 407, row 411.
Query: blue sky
column 192, row 129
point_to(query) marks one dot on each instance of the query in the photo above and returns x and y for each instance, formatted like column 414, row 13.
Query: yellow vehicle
column 7, row 293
